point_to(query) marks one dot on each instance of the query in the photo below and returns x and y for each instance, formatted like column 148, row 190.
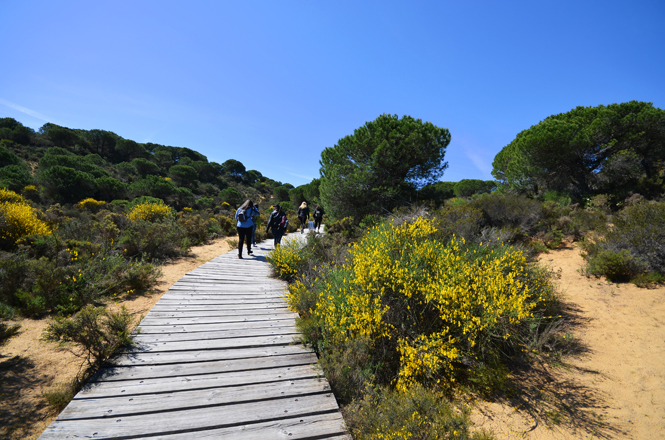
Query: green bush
column 633, row 244
column 616, row 266
column 155, row 241
column 96, row 331
column 418, row 413
column 510, row 211
column 462, row 221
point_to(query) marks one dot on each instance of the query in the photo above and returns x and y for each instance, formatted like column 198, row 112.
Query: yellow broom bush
column 17, row 220
column 428, row 304
column 90, row 204
column 150, row 212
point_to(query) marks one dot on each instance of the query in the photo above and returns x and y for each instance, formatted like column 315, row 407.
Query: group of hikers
column 247, row 218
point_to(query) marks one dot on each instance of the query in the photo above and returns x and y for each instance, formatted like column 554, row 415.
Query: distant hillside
column 63, row 165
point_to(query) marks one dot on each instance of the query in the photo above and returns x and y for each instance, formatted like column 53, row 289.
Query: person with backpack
column 245, row 225
column 255, row 220
column 277, row 223
column 318, row 217
column 303, row 216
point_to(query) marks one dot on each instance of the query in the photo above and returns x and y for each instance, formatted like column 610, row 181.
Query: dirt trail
column 28, row 366
column 615, row 387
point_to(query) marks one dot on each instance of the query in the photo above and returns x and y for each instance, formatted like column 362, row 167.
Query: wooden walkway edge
column 216, row 358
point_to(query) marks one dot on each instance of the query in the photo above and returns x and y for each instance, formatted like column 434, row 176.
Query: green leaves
column 380, row 165
column 568, row 152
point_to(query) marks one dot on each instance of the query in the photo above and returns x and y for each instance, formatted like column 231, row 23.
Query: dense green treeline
column 67, row 165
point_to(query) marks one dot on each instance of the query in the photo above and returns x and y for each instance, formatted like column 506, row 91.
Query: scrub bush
column 633, row 245
column 96, row 331
column 17, row 220
column 288, row 259
column 428, row 309
column 153, row 240
column 417, row 413
column 90, row 204
column 150, row 212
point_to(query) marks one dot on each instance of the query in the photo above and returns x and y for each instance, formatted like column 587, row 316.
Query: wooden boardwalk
column 214, row 359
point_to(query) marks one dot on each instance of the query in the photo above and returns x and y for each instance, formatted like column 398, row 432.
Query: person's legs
column 275, row 236
column 278, row 236
column 317, row 223
column 241, row 240
column 253, row 232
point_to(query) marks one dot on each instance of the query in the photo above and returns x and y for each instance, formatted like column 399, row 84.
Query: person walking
column 318, row 217
column 277, row 224
column 255, row 220
column 245, row 225
column 303, row 216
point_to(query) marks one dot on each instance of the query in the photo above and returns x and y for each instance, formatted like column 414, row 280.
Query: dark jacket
column 275, row 219
column 303, row 212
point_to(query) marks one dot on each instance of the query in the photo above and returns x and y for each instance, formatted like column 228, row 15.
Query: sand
column 613, row 388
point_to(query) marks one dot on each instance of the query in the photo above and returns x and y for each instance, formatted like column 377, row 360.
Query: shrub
column 510, row 211
column 18, row 220
column 90, row 204
column 632, row 245
column 154, row 240
column 150, row 212
column 462, row 221
column 96, row 331
column 288, row 259
column 616, row 266
column 425, row 306
column 197, row 227
column 417, row 413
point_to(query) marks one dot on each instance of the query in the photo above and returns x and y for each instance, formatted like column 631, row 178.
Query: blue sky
column 273, row 83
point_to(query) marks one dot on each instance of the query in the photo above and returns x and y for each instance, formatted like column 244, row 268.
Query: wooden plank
column 329, row 426
column 193, row 420
column 152, row 403
column 196, row 328
column 220, row 334
column 218, row 319
column 212, row 344
column 210, row 312
column 144, row 384
column 193, row 356
column 172, row 295
column 177, row 306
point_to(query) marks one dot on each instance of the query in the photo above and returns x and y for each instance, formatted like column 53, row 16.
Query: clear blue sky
column 272, row 83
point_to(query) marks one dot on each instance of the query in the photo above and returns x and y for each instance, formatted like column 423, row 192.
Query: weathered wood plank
column 196, row 328
column 142, row 383
column 193, row 420
column 219, row 334
column 182, row 357
column 329, row 426
column 152, row 403
column 211, row 344
column 208, row 320
column 215, row 312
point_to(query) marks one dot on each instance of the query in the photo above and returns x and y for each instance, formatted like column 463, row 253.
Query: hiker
column 277, row 224
column 318, row 217
column 255, row 220
column 245, row 225
column 303, row 216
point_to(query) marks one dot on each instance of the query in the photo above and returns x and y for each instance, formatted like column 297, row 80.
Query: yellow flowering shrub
column 426, row 303
column 287, row 259
column 150, row 212
column 10, row 196
column 17, row 220
column 90, row 204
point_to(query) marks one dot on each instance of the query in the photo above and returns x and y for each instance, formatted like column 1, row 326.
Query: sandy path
column 29, row 366
column 615, row 388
